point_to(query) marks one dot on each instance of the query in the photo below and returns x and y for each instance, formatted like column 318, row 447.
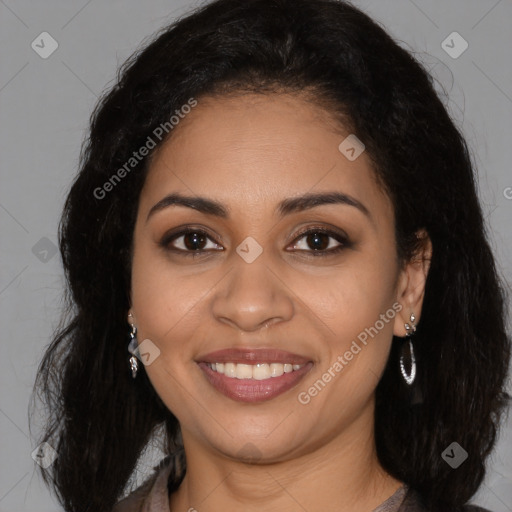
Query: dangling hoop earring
column 410, row 329
column 133, row 349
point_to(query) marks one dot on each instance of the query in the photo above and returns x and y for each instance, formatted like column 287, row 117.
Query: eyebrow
column 285, row 207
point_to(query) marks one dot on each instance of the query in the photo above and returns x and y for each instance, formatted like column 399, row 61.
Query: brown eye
column 317, row 241
column 189, row 242
column 194, row 241
column 321, row 242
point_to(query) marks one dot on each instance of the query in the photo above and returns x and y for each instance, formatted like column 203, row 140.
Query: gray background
column 45, row 105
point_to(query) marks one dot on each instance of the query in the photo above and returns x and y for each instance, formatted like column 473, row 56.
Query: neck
column 343, row 474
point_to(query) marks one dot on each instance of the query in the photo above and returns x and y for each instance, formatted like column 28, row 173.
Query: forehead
column 251, row 150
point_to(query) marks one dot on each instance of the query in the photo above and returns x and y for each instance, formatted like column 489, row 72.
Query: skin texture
column 249, row 152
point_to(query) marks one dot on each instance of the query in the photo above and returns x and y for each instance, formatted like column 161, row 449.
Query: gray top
column 153, row 496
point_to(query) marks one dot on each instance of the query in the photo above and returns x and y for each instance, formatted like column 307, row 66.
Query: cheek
column 353, row 296
column 356, row 348
column 356, row 304
column 166, row 307
column 162, row 297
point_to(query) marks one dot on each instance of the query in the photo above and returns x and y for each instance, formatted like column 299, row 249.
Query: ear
column 131, row 317
column 411, row 284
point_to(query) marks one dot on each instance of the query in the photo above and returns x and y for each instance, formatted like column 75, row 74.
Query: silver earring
column 410, row 329
column 133, row 349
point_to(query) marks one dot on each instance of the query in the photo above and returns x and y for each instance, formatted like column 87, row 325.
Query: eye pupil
column 192, row 239
column 316, row 239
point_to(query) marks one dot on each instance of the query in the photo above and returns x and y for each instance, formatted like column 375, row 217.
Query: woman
column 266, row 255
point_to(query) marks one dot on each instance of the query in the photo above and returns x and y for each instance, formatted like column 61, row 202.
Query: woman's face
column 246, row 288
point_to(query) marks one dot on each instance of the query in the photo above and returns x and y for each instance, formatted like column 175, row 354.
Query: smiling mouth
column 257, row 371
column 254, row 375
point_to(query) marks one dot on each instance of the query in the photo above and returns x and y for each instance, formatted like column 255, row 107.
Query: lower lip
column 251, row 390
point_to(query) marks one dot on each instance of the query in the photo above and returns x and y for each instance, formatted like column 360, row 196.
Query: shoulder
column 135, row 501
column 414, row 503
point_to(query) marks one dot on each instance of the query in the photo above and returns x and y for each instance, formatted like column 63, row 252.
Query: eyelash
column 341, row 238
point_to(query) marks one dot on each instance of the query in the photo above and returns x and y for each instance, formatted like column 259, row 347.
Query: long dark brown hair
column 100, row 419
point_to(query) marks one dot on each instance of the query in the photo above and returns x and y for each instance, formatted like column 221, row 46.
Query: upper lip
column 247, row 356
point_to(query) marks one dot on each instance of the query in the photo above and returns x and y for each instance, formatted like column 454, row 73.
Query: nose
column 252, row 296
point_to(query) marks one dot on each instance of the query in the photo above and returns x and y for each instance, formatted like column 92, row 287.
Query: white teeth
column 229, row 369
column 276, row 369
column 243, row 371
column 259, row 371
